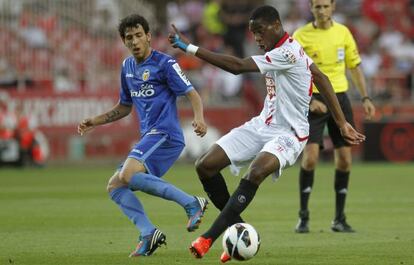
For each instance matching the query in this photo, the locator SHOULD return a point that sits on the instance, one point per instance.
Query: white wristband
(192, 49)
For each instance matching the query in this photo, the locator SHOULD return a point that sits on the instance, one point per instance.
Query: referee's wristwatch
(365, 98)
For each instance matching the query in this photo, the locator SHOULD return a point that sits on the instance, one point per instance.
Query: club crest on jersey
(288, 54)
(146, 75)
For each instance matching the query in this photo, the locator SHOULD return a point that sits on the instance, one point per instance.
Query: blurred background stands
(72, 48)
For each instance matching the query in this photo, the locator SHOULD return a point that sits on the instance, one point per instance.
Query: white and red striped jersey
(289, 86)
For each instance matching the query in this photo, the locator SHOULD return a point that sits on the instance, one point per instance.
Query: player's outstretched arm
(325, 88)
(117, 112)
(226, 62)
(199, 125)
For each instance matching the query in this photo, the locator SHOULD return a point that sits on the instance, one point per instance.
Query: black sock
(305, 187)
(341, 189)
(216, 190)
(218, 193)
(240, 199)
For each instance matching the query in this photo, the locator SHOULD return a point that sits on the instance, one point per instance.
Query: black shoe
(341, 226)
(303, 223)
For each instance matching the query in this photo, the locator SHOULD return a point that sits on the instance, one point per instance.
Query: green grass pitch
(62, 215)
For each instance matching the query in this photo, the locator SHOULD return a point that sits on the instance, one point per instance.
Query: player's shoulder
(286, 52)
(162, 58)
(128, 62)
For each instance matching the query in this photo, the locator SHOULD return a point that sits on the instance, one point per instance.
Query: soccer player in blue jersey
(151, 81)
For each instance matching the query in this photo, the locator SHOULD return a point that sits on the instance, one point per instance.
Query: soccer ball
(241, 241)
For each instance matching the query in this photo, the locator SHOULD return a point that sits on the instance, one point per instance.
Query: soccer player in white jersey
(274, 139)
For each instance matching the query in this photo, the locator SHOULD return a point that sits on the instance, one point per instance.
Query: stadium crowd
(72, 46)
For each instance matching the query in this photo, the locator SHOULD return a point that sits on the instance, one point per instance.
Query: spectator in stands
(19, 137)
(63, 82)
(175, 15)
(371, 62)
(293, 20)
(7, 119)
(30, 31)
(9, 153)
(235, 15)
(211, 18)
(8, 75)
(220, 86)
(105, 18)
(26, 131)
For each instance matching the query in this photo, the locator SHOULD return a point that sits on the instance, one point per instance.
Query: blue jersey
(152, 86)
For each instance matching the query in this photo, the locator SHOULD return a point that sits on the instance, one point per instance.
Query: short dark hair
(266, 13)
(132, 21)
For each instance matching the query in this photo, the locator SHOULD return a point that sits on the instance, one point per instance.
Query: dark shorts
(317, 122)
(157, 152)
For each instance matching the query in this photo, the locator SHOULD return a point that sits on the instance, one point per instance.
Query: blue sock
(132, 208)
(158, 187)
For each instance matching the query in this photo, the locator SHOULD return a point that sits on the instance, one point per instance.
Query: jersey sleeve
(176, 79)
(352, 58)
(124, 94)
(277, 59)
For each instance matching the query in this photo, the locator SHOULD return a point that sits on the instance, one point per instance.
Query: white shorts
(243, 143)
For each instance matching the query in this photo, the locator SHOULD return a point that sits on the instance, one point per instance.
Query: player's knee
(310, 157)
(199, 163)
(309, 161)
(309, 164)
(125, 176)
(343, 159)
(343, 164)
(256, 175)
(110, 187)
(113, 183)
(204, 168)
